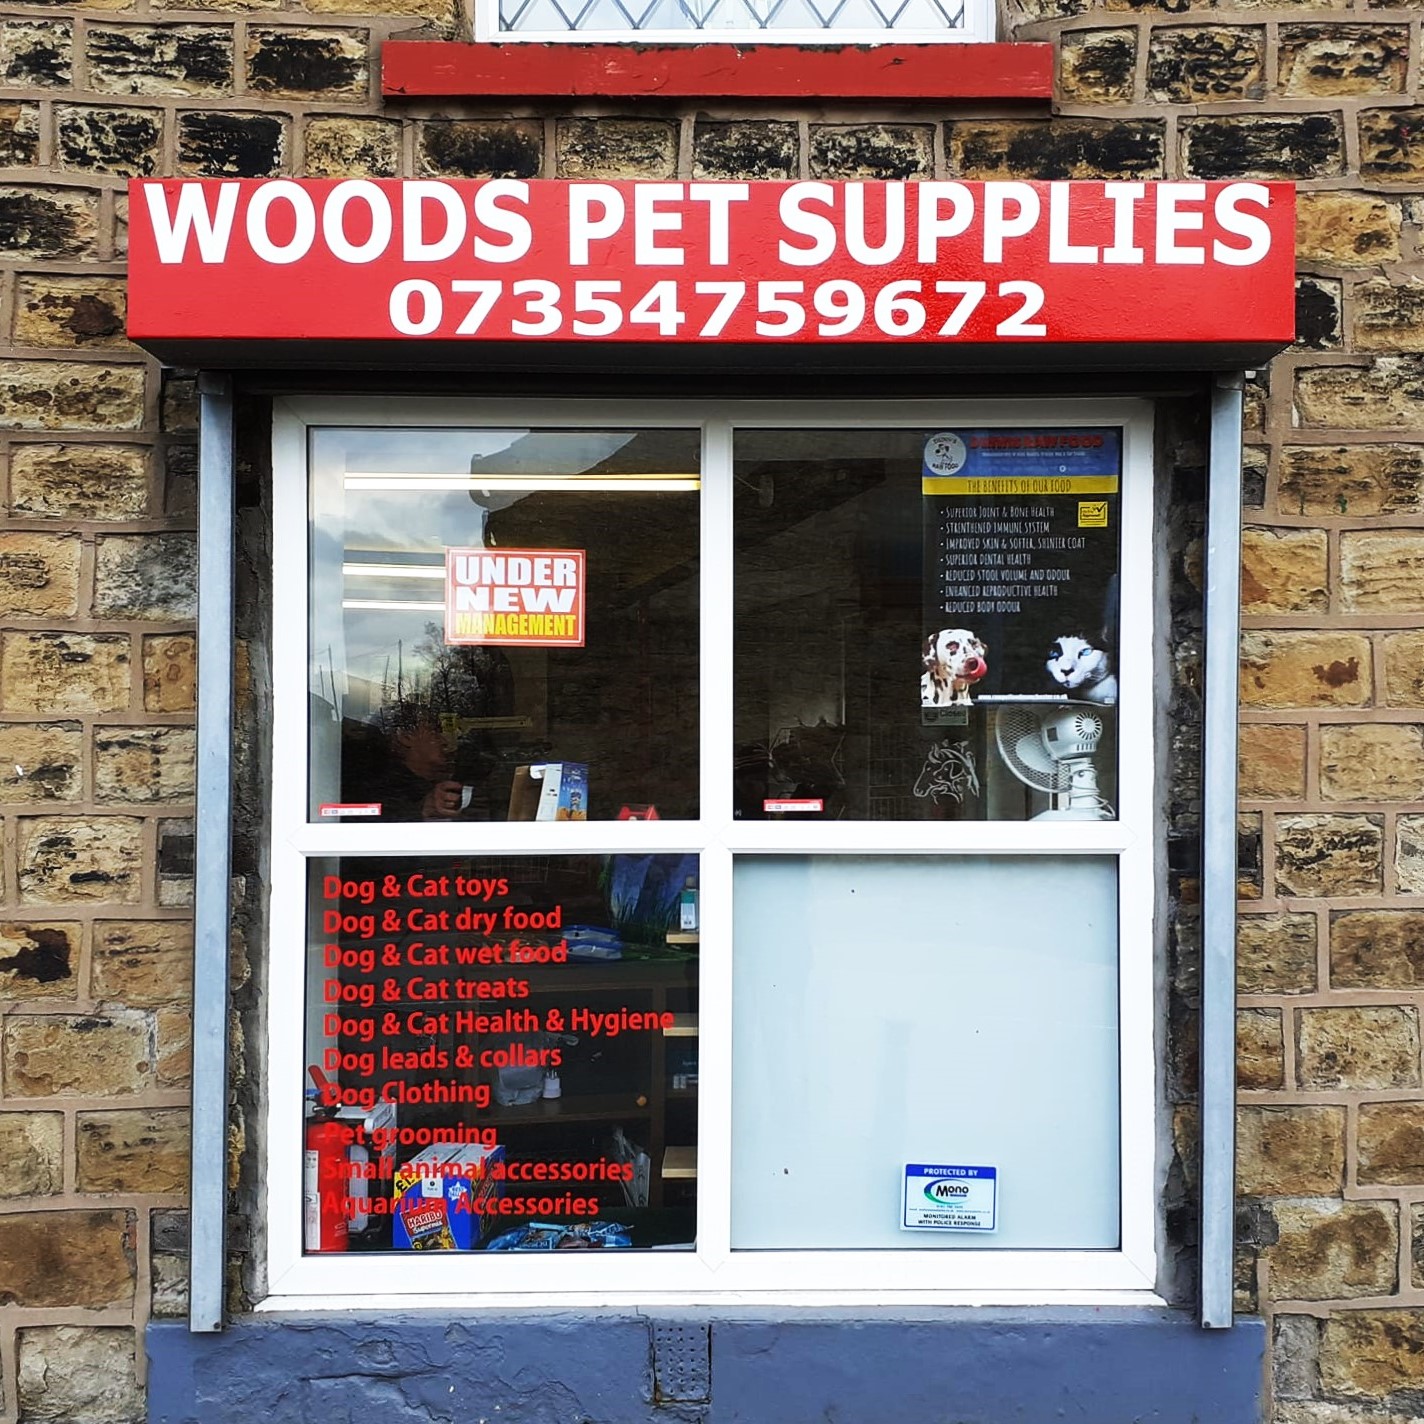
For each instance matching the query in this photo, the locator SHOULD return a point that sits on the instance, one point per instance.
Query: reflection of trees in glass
(466, 681)
(428, 752)
(448, 681)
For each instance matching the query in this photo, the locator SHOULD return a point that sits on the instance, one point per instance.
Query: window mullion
(714, 1099)
(716, 691)
(714, 1102)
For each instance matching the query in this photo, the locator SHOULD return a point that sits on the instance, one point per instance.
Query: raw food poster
(1021, 540)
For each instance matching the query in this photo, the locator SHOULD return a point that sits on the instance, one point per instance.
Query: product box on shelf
(550, 791)
(439, 1196)
(376, 1131)
(370, 1158)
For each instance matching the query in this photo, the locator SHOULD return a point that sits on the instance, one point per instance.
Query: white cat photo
(1082, 670)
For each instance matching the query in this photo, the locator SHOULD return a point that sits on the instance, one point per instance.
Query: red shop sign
(919, 265)
(529, 598)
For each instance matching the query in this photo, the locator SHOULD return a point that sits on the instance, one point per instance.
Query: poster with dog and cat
(1021, 534)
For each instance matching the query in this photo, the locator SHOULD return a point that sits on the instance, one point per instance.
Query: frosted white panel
(958, 1010)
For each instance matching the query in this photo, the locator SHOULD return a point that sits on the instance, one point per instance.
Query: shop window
(866, 1035)
(711, 853)
(460, 633)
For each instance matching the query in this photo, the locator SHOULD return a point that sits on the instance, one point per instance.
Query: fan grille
(1040, 748)
(1018, 732)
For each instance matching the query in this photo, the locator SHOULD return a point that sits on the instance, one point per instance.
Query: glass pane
(498, 1042)
(926, 623)
(625, 17)
(504, 624)
(948, 1012)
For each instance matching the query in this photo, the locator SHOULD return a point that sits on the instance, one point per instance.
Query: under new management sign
(218, 263)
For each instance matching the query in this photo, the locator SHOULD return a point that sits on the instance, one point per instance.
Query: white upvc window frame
(713, 1272)
(978, 27)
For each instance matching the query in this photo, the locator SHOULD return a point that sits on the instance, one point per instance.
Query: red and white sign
(514, 598)
(1003, 263)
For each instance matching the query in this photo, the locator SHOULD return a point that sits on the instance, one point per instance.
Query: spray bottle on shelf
(687, 906)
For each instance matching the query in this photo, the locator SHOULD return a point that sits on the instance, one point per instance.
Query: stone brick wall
(96, 602)
(96, 742)
(96, 652)
(1331, 947)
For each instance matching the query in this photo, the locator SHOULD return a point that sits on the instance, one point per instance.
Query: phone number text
(537, 306)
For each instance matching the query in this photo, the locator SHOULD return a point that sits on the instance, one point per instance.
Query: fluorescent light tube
(397, 603)
(559, 484)
(406, 571)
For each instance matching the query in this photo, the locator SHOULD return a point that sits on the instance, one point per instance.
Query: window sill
(414, 69)
(1105, 1365)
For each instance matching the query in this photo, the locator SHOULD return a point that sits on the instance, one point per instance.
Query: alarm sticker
(941, 1197)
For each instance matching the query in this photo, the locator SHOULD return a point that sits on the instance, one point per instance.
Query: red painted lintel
(449, 69)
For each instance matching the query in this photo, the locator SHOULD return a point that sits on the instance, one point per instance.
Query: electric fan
(1051, 749)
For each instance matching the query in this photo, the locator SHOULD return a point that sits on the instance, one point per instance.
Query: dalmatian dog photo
(954, 662)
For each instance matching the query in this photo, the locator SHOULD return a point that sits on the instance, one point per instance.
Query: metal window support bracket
(212, 856)
(1218, 889)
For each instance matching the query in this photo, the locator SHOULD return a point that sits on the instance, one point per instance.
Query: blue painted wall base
(714, 1366)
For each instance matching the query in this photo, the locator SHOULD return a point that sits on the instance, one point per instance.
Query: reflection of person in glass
(419, 781)
(428, 756)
